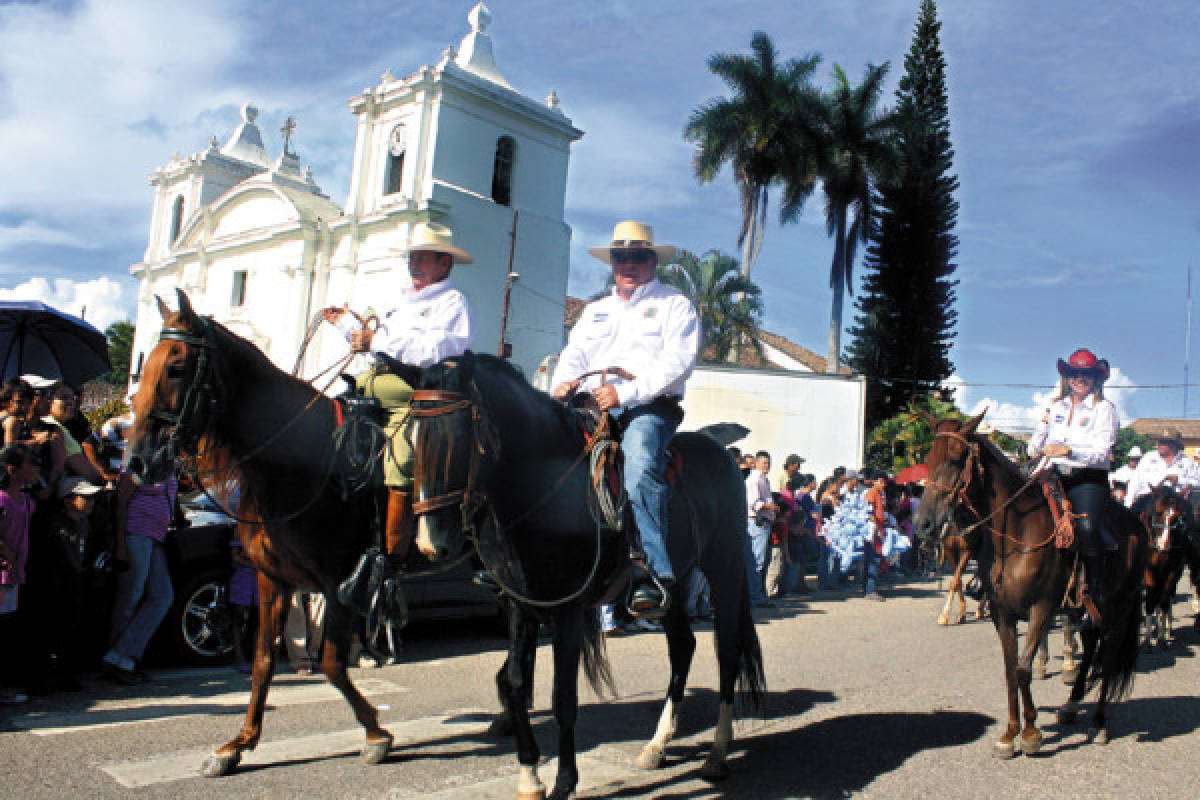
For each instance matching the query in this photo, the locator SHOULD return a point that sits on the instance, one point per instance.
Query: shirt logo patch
(1083, 421)
(424, 312)
(1059, 417)
(651, 312)
(600, 316)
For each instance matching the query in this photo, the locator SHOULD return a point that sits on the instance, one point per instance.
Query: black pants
(1087, 489)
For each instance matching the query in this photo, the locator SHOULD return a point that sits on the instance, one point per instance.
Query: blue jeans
(757, 538)
(827, 567)
(647, 433)
(870, 567)
(143, 597)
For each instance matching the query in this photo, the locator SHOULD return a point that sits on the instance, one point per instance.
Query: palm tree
(728, 302)
(767, 131)
(858, 152)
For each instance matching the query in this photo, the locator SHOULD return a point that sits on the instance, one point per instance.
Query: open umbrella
(914, 474)
(38, 339)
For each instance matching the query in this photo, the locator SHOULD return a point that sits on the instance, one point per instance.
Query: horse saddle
(1064, 516)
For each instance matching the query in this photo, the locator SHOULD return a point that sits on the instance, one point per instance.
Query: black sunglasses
(1078, 373)
(630, 256)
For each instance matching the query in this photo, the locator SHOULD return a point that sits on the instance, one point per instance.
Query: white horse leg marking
(721, 739)
(529, 786)
(654, 752)
(944, 617)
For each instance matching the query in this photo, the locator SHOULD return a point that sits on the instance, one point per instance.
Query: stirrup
(974, 589)
(358, 590)
(651, 600)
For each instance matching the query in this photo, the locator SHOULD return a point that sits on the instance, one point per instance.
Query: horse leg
(338, 623)
(1006, 629)
(568, 642)
(1068, 711)
(681, 645)
(516, 685)
(1070, 647)
(944, 617)
(1039, 625)
(733, 624)
(503, 724)
(273, 600)
(1043, 656)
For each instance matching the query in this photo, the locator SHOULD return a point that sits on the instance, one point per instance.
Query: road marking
(593, 773)
(114, 712)
(186, 764)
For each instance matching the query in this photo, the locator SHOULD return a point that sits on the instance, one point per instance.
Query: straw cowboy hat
(429, 236)
(1171, 435)
(1084, 359)
(633, 235)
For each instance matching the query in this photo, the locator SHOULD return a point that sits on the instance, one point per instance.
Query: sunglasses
(1072, 374)
(630, 256)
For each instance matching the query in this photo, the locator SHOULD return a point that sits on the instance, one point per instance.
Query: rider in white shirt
(430, 322)
(652, 333)
(1077, 435)
(1124, 474)
(1166, 464)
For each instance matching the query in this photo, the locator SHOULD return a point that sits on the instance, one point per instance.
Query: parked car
(198, 629)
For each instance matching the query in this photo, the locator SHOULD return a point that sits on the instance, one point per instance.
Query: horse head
(452, 446)
(177, 395)
(1165, 516)
(954, 469)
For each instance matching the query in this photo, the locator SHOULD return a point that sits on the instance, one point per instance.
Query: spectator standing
(875, 497)
(18, 469)
(144, 594)
(805, 547)
(791, 466)
(304, 631)
(762, 510)
(779, 555)
(243, 604)
(62, 411)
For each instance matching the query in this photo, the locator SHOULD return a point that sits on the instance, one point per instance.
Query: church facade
(257, 245)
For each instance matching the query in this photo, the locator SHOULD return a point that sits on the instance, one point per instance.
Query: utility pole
(509, 278)
(1187, 342)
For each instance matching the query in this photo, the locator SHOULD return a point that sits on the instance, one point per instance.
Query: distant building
(1189, 428)
(255, 242)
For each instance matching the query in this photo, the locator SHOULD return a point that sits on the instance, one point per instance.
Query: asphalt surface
(865, 700)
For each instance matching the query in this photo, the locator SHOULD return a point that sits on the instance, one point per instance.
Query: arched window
(176, 218)
(394, 174)
(502, 170)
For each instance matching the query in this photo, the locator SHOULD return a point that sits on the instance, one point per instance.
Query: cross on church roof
(289, 127)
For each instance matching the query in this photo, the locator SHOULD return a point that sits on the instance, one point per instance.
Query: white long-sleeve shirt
(425, 327)
(1153, 468)
(1088, 428)
(758, 494)
(655, 335)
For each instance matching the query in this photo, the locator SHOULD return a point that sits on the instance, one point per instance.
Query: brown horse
(1167, 516)
(208, 393)
(972, 485)
(957, 551)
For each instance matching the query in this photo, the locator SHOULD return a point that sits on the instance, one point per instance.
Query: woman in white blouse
(1077, 435)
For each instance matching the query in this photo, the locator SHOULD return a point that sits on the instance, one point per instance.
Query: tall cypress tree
(905, 323)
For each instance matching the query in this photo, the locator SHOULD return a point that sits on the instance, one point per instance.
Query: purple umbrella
(38, 339)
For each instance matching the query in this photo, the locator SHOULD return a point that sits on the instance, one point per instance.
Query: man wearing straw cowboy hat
(652, 333)
(1165, 464)
(430, 322)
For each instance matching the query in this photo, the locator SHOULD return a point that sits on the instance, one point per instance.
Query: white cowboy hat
(1134, 452)
(435, 238)
(633, 235)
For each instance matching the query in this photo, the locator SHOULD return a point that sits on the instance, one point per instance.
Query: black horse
(514, 476)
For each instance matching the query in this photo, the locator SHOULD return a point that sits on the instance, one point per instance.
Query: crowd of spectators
(82, 569)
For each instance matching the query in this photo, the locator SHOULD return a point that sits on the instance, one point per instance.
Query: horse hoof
(1030, 745)
(501, 726)
(1039, 672)
(1098, 735)
(216, 766)
(943, 620)
(714, 770)
(1066, 716)
(531, 794)
(375, 752)
(1003, 749)
(651, 757)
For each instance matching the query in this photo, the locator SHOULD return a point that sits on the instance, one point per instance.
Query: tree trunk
(833, 362)
(747, 264)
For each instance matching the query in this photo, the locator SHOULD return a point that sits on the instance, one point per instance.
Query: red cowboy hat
(1086, 360)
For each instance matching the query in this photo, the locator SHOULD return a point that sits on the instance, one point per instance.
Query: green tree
(1126, 439)
(728, 302)
(905, 326)
(904, 439)
(767, 130)
(120, 349)
(858, 152)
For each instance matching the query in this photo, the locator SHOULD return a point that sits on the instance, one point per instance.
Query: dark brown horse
(210, 394)
(1167, 516)
(972, 485)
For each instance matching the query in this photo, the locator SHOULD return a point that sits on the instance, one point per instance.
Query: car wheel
(202, 626)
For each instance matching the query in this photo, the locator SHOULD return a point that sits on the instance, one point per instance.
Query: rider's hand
(1056, 451)
(360, 340)
(332, 314)
(606, 398)
(564, 390)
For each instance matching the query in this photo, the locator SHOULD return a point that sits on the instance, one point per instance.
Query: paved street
(866, 700)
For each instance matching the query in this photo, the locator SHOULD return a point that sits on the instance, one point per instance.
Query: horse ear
(163, 309)
(185, 305)
(973, 423)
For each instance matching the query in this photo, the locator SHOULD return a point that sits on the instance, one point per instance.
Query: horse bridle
(957, 492)
(484, 443)
(199, 399)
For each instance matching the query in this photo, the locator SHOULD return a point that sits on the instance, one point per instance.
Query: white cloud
(26, 233)
(101, 301)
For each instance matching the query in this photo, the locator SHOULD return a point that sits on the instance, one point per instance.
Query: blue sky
(1075, 127)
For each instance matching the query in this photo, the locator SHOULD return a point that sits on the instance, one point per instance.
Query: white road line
(186, 764)
(593, 773)
(110, 713)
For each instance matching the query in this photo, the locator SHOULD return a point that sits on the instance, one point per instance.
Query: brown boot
(398, 530)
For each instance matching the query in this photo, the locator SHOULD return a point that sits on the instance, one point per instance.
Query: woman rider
(1077, 434)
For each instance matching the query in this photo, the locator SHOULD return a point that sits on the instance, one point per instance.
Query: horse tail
(595, 658)
(1121, 641)
(751, 678)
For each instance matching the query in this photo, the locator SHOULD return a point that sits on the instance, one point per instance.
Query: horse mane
(573, 419)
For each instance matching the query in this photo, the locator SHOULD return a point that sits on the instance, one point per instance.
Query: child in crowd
(18, 469)
(243, 605)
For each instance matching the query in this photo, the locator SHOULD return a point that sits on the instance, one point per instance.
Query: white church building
(257, 245)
